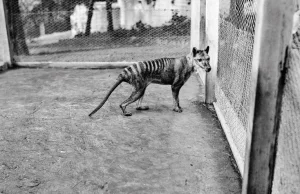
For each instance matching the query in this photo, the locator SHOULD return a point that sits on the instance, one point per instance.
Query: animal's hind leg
(139, 104)
(137, 94)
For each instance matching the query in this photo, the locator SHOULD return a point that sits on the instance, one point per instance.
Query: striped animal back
(146, 69)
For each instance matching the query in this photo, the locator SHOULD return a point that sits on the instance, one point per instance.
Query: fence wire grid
(55, 32)
(236, 39)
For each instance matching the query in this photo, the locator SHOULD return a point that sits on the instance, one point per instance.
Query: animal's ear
(207, 49)
(194, 51)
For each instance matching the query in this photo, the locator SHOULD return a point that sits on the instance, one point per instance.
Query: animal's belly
(162, 80)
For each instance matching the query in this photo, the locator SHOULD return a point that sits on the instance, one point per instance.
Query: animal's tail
(119, 81)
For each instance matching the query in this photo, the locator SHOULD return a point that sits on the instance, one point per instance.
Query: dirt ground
(48, 144)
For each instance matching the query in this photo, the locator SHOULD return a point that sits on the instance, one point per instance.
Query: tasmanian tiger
(166, 71)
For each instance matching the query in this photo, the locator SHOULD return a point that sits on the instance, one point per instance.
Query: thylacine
(165, 71)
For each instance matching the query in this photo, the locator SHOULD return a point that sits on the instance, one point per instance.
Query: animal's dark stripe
(139, 69)
(157, 65)
(130, 70)
(127, 73)
(164, 61)
(161, 65)
(149, 67)
(146, 68)
(143, 68)
(136, 69)
(154, 67)
(167, 61)
(161, 61)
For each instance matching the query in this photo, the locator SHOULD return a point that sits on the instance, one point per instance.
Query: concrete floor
(48, 144)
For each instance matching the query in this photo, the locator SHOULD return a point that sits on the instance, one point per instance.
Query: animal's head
(200, 58)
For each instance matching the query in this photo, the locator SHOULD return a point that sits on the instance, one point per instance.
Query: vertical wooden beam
(202, 24)
(272, 38)
(212, 35)
(198, 31)
(5, 54)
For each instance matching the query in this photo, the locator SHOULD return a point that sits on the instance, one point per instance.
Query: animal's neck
(189, 61)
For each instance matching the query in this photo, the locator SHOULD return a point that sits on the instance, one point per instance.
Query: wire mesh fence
(236, 39)
(120, 32)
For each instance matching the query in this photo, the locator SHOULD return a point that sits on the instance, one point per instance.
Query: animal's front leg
(175, 93)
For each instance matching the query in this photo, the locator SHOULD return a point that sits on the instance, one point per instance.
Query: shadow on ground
(49, 144)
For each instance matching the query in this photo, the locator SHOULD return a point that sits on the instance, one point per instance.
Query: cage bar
(271, 46)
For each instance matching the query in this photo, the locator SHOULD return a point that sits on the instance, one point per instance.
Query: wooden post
(212, 34)
(272, 38)
(5, 54)
(202, 35)
(198, 32)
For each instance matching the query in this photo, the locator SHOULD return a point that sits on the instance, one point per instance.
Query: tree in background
(110, 27)
(16, 30)
(89, 20)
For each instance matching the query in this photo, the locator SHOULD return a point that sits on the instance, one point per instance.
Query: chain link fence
(64, 31)
(236, 39)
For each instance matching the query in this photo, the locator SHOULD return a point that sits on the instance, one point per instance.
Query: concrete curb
(3, 67)
(74, 65)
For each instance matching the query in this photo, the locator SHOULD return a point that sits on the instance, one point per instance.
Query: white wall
(154, 15)
(126, 13)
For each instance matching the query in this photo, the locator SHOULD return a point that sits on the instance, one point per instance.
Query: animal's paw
(178, 109)
(142, 108)
(127, 114)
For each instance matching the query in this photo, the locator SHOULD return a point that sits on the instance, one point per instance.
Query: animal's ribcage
(146, 69)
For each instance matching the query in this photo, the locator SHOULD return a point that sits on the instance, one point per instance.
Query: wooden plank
(272, 38)
(198, 31)
(202, 34)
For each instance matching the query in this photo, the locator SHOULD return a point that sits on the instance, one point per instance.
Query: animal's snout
(208, 69)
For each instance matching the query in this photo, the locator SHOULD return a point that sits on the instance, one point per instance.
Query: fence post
(272, 37)
(198, 31)
(206, 12)
(5, 55)
(198, 34)
(212, 34)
